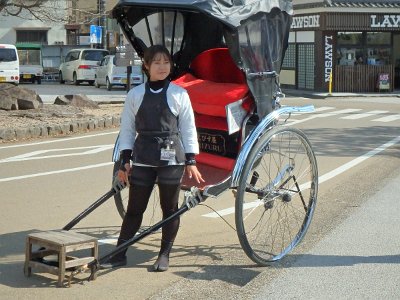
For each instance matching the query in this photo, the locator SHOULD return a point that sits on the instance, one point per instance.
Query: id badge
(167, 154)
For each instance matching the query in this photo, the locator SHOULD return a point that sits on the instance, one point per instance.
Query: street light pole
(103, 22)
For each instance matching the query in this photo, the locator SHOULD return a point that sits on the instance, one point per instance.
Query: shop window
(289, 62)
(368, 48)
(378, 38)
(350, 56)
(378, 56)
(349, 38)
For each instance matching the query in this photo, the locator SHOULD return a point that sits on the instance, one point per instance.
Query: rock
(76, 100)
(15, 97)
(7, 101)
(7, 134)
(28, 104)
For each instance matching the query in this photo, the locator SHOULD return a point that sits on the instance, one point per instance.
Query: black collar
(156, 85)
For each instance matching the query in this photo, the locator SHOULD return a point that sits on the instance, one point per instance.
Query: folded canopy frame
(256, 33)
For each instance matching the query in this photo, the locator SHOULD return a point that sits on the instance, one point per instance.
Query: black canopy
(255, 31)
(230, 12)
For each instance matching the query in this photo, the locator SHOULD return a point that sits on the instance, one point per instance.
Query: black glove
(190, 159)
(125, 158)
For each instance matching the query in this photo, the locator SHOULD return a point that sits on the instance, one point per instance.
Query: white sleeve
(127, 132)
(187, 126)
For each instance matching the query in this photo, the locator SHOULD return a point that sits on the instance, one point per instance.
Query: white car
(110, 75)
(9, 64)
(80, 65)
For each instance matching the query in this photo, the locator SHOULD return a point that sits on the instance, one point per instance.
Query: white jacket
(179, 103)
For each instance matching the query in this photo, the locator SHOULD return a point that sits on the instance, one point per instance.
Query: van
(9, 64)
(80, 65)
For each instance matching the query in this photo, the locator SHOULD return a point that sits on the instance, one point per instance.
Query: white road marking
(323, 108)
(317, 110)
(56, 172)
(338, 112)
(36, 155)
(364, 115)
(324, 115)
(387, 118)
(58, 141)
(322, 178)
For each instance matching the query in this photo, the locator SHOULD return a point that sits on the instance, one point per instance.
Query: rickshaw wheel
(153, 212)
(277, 194)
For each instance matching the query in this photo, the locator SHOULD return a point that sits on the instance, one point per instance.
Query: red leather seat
(216, 81)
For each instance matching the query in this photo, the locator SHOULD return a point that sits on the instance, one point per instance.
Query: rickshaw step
(58, 243)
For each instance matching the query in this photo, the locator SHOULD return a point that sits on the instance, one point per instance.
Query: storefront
(356, 52)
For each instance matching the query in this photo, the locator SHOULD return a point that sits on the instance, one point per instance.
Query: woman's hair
(150, 53)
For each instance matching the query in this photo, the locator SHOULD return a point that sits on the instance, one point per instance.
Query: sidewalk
(324, 95)
(360, 259)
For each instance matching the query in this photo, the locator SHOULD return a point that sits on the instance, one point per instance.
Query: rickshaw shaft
(141, 235)
(91, 208)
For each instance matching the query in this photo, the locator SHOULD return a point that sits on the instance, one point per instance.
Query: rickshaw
(228, 56)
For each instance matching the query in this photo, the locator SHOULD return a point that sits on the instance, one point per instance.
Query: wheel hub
(286, 197)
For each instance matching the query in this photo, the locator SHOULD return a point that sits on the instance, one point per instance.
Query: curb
(80, 126)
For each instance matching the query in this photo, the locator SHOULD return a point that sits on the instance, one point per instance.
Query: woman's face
(159, 68)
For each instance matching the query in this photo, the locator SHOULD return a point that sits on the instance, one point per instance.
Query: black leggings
(142, 183)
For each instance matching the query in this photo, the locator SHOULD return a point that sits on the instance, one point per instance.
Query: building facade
(83, 14)
(70, 28)
(27, 29)
(344, 46)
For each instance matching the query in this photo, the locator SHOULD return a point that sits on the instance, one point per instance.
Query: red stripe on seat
(216, 161)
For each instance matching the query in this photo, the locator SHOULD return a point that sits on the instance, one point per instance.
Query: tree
(43, 10)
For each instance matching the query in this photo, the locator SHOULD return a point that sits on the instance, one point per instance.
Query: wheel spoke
(282, 172)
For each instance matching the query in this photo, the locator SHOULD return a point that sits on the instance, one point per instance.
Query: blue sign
(95, 34)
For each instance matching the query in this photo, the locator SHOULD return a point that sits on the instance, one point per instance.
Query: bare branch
(44, 10)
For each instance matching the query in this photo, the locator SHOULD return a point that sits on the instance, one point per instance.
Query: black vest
(156, 125)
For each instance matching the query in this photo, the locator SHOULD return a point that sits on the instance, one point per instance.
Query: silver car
(80, 65)
(109, 74)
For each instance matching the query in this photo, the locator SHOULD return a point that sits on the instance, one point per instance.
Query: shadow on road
(140, 255)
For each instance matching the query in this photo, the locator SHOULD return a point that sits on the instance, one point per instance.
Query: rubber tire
(60, 78)
(119, 198)
(96, 84)
(75, 80)
(254, 159)
(108, 84)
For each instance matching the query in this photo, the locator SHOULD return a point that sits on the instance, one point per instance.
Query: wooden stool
(59, 243)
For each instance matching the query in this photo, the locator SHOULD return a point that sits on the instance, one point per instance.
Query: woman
(158, 134)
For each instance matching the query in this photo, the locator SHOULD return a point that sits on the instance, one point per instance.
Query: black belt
(161, 134)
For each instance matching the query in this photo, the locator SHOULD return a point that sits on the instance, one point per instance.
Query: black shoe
(114, 262)
(161, 264)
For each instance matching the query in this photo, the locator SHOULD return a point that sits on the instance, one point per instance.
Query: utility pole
(103, 22)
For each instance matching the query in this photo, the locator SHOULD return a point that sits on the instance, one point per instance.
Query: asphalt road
(352, 242)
